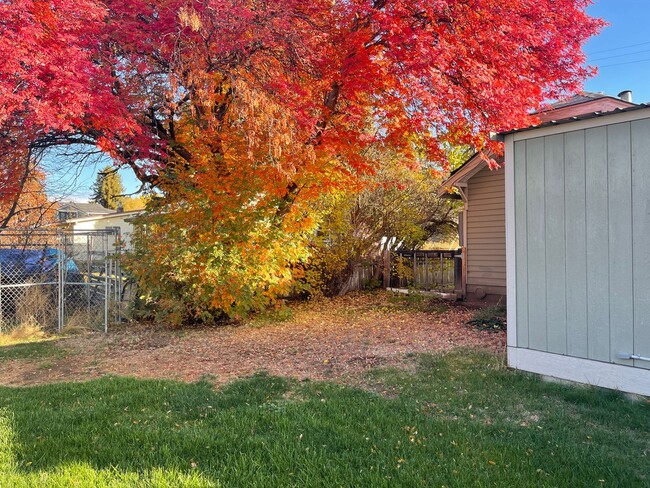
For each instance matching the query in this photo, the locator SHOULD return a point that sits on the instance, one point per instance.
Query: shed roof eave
(577, 118)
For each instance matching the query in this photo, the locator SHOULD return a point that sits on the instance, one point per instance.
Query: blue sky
(70, 182)
(621, 52)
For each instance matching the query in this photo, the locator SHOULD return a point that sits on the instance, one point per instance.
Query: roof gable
(469, 168)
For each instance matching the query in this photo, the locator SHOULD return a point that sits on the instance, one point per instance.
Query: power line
(619, 48)
(619, 55)
(627, 62)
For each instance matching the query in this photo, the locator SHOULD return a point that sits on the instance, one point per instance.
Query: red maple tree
(152, 80)
(245, 110)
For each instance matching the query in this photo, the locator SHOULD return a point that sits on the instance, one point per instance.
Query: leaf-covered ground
(327, 339)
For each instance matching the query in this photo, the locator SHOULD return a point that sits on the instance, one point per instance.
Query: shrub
(492, 318)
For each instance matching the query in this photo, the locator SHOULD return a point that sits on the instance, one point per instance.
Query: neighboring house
(482, 232)
(75, 210)
(577, 194)
(121, 222)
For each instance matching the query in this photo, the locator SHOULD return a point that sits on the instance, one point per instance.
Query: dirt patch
(328, 339)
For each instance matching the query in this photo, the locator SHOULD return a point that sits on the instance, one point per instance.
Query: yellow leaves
(189, 18)
(229, 265)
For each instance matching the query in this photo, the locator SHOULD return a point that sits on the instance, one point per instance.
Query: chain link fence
(56, 279)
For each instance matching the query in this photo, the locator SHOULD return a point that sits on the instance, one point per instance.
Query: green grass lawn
(461, 420)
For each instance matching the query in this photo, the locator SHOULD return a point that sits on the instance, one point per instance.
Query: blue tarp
(32, 262)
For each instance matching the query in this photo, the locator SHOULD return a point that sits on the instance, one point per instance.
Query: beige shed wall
(486, 232)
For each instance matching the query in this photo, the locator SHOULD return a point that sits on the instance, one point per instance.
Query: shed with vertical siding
(578, 249)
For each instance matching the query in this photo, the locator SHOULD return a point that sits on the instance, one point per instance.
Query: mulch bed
(326, 339)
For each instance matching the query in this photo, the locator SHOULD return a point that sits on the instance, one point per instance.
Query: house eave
(113, 215)
(459, 178)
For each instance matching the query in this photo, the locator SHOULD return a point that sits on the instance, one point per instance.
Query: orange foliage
(29, 208)
(243, 112)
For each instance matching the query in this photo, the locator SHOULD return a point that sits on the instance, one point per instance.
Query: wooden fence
(435, 270)
(432, 270)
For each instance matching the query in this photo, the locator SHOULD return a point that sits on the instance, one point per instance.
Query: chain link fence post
(55, 279)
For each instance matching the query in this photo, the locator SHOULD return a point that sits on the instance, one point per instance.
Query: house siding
(486, 234)
(581, 229)
(114, 221)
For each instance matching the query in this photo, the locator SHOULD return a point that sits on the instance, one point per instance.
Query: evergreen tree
(108, 188)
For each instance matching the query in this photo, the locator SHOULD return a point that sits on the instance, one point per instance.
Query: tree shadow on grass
(460, 420)
(127, 425)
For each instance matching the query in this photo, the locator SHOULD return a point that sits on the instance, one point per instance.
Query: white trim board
(596, 373)
(511, 265)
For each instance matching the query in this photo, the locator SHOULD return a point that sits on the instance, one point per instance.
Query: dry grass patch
(29, 331)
